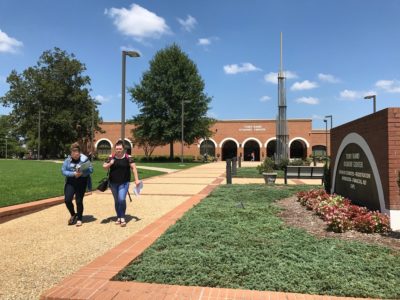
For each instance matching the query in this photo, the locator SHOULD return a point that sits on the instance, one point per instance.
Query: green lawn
(220, 244)
(169, 165)
(250, 172)
(26, 181)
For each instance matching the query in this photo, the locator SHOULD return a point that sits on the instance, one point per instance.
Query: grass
(27, 181)
(249, 172)
(220, 244)
(169, 165)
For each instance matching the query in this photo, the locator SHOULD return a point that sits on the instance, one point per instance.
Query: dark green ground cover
(220, 244)
(251, 172)
(26, 181)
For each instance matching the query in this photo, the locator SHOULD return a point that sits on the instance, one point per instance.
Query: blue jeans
(119, 192)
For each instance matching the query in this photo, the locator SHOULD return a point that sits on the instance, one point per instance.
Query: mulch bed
(296, 215)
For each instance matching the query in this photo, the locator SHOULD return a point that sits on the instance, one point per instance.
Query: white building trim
(208, 139)
(269, 140)
(254, 139)
(301, 139)
(229, 139)
(128, 140)
(104, 139)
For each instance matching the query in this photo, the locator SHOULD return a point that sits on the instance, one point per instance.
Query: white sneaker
(78, 223)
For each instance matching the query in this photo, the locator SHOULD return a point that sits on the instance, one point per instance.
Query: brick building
(230, 138)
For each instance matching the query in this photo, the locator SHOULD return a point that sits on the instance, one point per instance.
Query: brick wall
(381, 131)
(240, 130)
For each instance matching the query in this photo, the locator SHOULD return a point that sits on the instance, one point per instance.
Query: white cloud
(390, 86)
(245, 67)
(305, 85)
(328, 78)
(8, 44)
(188, 24)
(101, 98)
(204, 42)
(308, 100)
(272, 77)
(355, 95)
(138, 22)
(265, 98)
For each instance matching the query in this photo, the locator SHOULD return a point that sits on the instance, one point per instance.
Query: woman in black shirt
(120, 165)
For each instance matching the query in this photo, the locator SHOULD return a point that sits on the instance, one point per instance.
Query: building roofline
(234, 120)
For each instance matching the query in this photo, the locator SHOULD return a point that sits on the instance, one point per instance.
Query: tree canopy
(171, 79)
(57, 88)
(10, 143)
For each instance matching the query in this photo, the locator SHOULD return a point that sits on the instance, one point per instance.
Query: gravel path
(39, 250)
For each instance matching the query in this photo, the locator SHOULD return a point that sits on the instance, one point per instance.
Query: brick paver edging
(14, 211)
(93, 281)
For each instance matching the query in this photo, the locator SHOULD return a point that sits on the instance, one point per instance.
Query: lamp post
(92, 133)
(330, 117)
(182, 127)
(326, 137)
(373, 97)
(124, 54)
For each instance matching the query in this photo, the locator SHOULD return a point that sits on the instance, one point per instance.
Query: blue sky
(335, 52)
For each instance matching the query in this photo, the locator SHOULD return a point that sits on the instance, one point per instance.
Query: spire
(281, 69)
(282, 136)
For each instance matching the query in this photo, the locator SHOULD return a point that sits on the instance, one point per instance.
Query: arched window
(207, 147)
(104, 147)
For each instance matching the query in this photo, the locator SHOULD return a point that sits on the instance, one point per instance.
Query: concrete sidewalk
(39, 249)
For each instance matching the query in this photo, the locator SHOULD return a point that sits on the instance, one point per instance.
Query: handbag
(104, 183)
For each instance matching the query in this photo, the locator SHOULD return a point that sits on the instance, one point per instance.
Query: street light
(374, 99)
(330, 117)
(183, 112)
(124, 54)
(326, 137)
(92, 133)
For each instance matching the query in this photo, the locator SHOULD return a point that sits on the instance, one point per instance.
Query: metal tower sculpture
(282, 136)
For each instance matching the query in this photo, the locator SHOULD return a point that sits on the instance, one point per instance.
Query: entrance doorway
(251, 147)
(229, 150)
(298, 149)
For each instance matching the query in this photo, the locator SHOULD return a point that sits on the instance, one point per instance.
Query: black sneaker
(72, 220)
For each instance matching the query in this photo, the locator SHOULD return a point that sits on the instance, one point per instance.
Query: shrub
(298, 162)
(283, 164)
(266, 166)
(327, 177)
(340, 215)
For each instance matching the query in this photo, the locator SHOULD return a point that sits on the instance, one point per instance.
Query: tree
(57, 88)
(171, 79)
(10, 142)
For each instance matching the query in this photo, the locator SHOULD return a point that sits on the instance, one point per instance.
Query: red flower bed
(340, 215)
